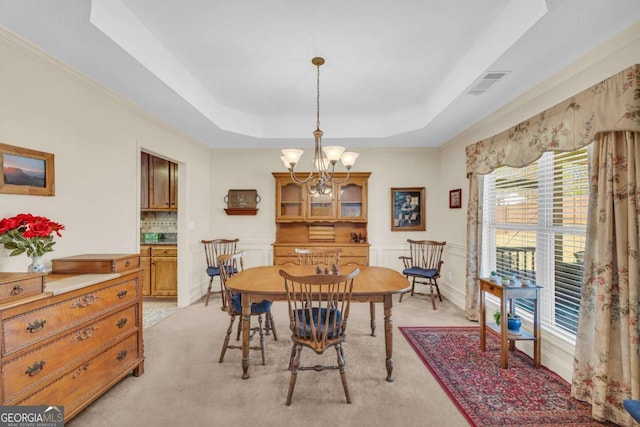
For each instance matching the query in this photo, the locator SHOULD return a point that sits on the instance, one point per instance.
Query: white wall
(96, 138)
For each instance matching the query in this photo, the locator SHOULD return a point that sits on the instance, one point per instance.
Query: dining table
(372, 284)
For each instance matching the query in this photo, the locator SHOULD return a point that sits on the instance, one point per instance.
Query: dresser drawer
(33, 326)
(79, 386)
(34, 367)
(96, 263)
(14, 286)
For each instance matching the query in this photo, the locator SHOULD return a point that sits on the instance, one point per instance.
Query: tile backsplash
(162, 224)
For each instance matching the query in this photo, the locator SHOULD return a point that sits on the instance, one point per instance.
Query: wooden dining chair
(212, 250)
(326, 259)
(229, 266)
(318, 256)
(318, 313)
(423, 266)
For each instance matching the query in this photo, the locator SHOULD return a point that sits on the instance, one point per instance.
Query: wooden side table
(508, 295)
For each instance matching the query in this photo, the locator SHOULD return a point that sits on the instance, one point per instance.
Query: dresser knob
(122, 294)
(17, 290)
(122, 322)
(122, 355)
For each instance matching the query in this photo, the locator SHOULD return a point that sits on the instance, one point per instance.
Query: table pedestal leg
(388, 336)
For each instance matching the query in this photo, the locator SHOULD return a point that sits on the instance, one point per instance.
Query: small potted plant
(496, 317)
(514, 322)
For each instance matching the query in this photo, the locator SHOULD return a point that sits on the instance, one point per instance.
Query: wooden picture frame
(408, 209)
(26, 172)
(455, 198)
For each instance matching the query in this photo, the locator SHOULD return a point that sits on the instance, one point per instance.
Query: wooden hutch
(338, 219)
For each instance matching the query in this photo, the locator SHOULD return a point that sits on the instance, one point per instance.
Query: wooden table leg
(504, 320)
(388, 336)
(246, 328)
(483, 320)
(372, 309)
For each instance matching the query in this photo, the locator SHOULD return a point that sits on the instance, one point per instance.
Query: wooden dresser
(71, 343)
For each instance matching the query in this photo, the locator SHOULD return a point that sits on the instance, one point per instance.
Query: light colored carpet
(184, 385)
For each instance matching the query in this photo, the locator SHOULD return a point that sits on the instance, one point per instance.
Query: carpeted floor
(487, 395)
(184, 385)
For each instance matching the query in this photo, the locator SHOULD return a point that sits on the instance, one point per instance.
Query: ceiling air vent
(488, 80)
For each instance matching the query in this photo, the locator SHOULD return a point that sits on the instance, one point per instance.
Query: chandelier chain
(318, 97)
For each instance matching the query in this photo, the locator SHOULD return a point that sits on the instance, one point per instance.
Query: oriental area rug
(488, 395)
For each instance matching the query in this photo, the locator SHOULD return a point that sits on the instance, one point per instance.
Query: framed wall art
(455, 199)
(408, 208)
(26, 172)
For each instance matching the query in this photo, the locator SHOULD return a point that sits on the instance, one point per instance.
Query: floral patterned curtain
(606, 362)
(611, 105)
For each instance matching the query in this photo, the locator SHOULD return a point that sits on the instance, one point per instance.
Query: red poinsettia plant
(28, 233)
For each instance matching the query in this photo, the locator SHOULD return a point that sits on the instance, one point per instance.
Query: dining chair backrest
(216, 247)
(318, 256)
(426, 254)
(318, 308)
(212, 250)
(229, 264)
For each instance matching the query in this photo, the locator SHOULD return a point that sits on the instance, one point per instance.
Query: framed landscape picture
(26, 172)
(407, 209)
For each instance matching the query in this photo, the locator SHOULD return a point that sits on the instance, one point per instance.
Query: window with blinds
(534, 226)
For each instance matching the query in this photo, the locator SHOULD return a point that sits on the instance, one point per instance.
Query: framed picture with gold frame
(407, 209)
(27, 172)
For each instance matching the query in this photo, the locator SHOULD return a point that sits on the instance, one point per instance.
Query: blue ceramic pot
(514, 323)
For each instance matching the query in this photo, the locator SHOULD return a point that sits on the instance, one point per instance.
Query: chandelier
(322, 175)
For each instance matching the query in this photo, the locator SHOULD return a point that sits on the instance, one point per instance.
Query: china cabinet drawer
(28, 328)
(38, 365)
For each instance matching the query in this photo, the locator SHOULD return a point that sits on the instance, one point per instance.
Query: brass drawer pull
(122, 355)
(35, 369)
(36, 326)
(122, 322)
(127, 263)
(122, 294)
(17, 290)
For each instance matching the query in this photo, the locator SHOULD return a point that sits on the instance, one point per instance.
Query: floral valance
(611, 105)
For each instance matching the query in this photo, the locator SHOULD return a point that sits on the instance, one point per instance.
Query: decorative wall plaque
(242, 202)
